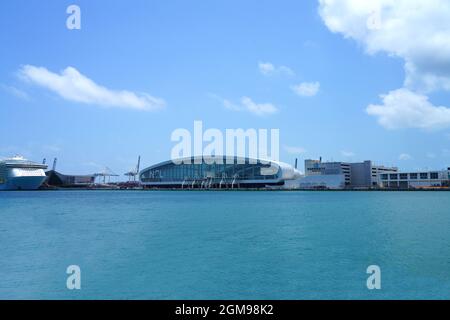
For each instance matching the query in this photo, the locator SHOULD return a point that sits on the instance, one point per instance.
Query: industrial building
(57, 179)
(415, 180)
(340, 175)
(205, 172)
(318, 182)
(217, 172)
(324, 173)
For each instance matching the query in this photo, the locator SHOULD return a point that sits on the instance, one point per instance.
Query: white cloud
(404, 157)
(231, 106)
(403, 108)
(347, 154)
(415, 30)
(246, 104)
(294, 150)
(306, 89)
(71, 85)
(260, 109)
(268, 69)
(16, 92)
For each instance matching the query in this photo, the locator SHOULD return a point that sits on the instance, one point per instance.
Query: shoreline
(236, 190)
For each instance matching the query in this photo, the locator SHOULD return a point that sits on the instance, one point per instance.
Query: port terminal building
(217, 172)
(57, 179)
(415, 180)
(340, 175)
(246, 173)
(206, 172)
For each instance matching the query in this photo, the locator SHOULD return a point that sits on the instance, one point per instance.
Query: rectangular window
(393, 176)
(413, 176)
(424, 175)
(434, 175)
(384, 177)
(403, 176)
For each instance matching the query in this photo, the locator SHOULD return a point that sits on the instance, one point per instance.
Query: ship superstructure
(18, 173)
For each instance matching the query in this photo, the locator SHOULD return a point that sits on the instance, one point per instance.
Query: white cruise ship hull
(22, 183)
(20, 174)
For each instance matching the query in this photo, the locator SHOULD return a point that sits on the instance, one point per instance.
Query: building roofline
(224, 157)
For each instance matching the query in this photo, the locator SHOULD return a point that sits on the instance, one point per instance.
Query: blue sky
(194, 55)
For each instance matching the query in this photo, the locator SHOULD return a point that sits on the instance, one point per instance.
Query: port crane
(106, 173)
(133, 173)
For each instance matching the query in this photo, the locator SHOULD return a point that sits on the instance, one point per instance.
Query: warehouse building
(358, 175)
(415, 180)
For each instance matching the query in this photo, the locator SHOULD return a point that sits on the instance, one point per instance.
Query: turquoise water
(224, 245)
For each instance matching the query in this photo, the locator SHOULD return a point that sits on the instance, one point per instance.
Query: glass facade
(212, 174)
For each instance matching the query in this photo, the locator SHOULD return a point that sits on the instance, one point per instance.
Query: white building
(415, 180)
(354, 175)
(329, 181)
(218, 172)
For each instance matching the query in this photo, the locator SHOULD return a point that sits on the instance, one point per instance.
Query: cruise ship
(18, 173)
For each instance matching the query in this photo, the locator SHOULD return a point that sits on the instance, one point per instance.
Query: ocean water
(224, 245)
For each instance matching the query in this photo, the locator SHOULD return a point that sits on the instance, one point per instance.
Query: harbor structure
(340, 175)
(133, 173)
(317, 182)
(18, 173)
(104, 177)
(415, 180)
(255, 173)
(57, 179)
(207, 172)
(218, 172)
(365, 174)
